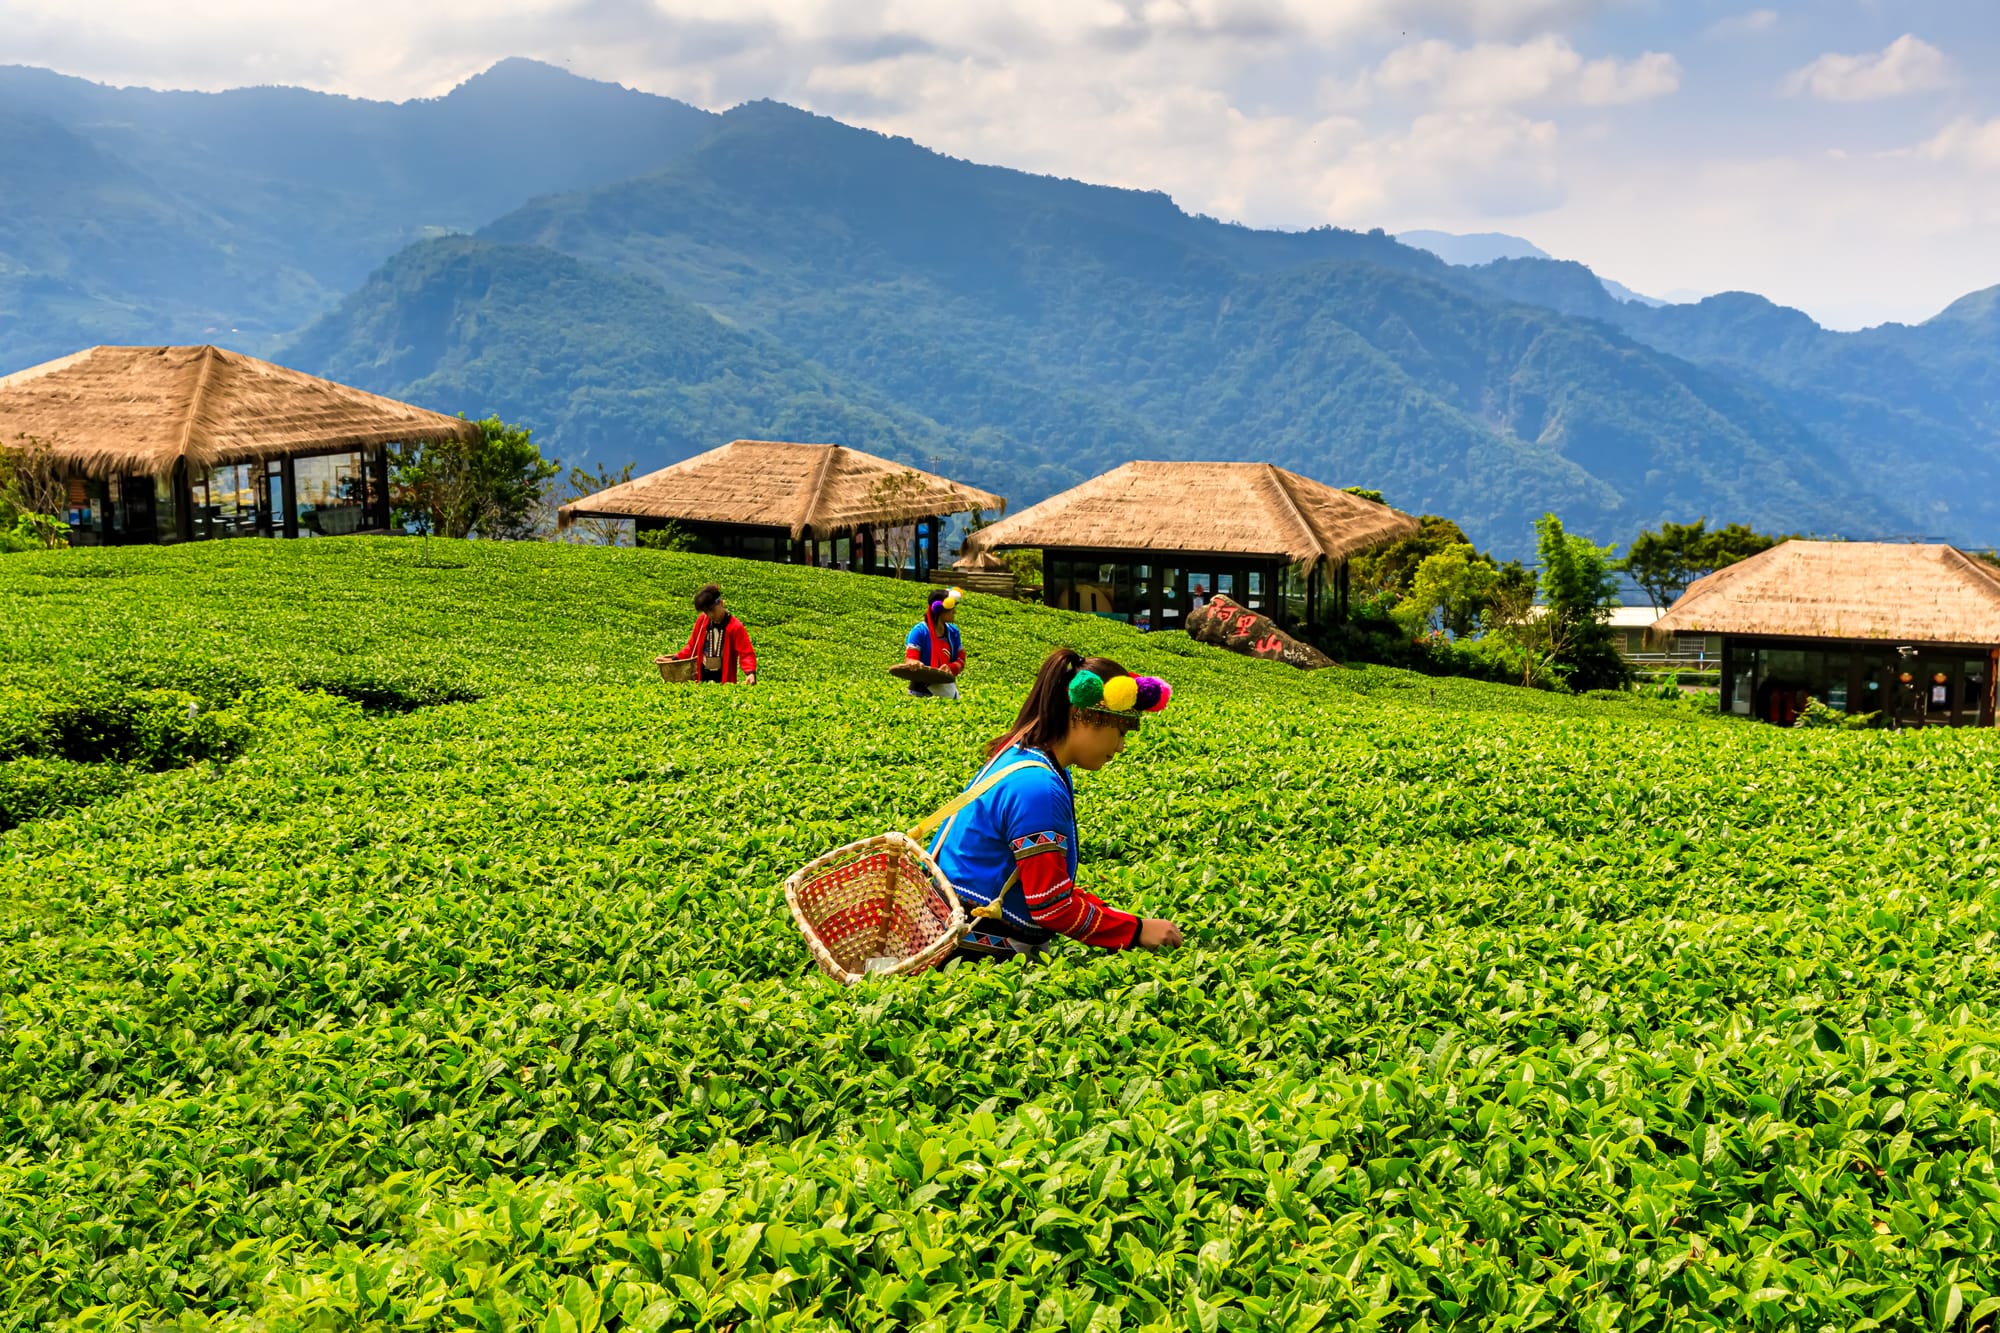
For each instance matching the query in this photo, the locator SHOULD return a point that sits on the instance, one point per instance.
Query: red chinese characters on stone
(1226, 624)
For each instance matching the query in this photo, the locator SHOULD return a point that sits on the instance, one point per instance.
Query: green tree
(579, 483)
(894, 491)
(669, 536)
(492, 486)
(1451, 594)
(1579, 586)
(32, 495)
(1391, 570)
(1663, 563)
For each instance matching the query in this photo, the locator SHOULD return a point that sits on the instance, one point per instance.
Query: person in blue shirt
(1016, 843)
(935, 643)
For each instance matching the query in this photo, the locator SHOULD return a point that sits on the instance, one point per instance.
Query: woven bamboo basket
(675, 670)
(879, 907)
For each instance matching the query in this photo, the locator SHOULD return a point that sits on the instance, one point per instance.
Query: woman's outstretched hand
(1158, 933)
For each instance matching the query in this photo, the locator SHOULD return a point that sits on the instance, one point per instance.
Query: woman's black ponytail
(1044, 718)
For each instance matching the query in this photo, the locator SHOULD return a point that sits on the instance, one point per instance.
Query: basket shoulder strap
(922, 832)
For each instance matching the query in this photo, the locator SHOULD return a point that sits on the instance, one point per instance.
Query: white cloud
(1966, 142)
(394, 49)
(1450, 164)
(1906, 65)
(1546, 69)
(1744, 24)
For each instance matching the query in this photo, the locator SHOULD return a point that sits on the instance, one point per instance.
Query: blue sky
(1843, 157)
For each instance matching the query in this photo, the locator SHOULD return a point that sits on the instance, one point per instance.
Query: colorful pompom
(1086, 689)
(1121, 693)
(1153, 693)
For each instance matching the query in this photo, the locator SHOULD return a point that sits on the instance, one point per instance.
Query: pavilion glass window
(1292, 594)
(333, 494)
(1173, 597)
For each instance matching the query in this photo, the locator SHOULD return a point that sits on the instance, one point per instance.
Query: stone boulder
(1225, 624)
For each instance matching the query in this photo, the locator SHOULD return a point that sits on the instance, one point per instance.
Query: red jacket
(735, 646)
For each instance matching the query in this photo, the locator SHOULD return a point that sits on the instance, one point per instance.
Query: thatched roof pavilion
(1898, 592)
(1148, 542)
(166, 443)
(1865, 626)
(139, 411)
(1249, 509)
(775, 500)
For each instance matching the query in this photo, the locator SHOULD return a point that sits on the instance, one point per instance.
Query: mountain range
(1487, 246)
(638, 280)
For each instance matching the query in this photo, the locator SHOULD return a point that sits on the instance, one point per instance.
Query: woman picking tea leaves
(1016, 843)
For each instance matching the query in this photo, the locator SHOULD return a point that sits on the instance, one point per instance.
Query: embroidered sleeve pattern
(1056, 903)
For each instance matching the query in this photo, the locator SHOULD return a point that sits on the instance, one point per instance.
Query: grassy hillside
(1498, 1009)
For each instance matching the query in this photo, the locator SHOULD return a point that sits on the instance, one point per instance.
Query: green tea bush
(1500, 1009)
(89, 721)
(33, 787)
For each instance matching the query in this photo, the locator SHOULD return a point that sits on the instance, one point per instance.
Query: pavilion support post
(288, 481)
(183, 501)
(1986, 705)
(935, 537)
(868, 550)
(1728, 666)
(380, 466)
(1346, 608)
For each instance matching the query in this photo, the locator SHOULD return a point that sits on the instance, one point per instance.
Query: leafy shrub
(33, 787)
(91, 738)
(389, 689)
(103, 722)
(34, 532)
(1371, 634)
(1819, 715)
(669, 536)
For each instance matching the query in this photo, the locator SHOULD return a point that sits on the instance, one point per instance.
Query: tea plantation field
(382, 945)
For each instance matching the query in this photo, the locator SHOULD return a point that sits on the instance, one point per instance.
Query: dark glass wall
(1160, 591)
(1772, 680)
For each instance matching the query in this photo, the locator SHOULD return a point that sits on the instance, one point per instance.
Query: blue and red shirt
(921, 648)
(1027, 822)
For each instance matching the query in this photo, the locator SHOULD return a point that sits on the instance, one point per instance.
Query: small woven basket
(879, 907)
(675, 670)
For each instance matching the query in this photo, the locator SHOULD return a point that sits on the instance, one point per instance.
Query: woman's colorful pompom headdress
(1123, 696)
(948, 598)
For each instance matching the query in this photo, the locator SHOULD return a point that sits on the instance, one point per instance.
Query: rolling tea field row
(382, 945)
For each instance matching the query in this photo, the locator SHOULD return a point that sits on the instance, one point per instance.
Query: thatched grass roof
(109, 411)
(1251, 509)
(806, 489)
(1846, 590)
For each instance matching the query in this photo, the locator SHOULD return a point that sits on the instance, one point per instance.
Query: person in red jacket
(718, 643)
